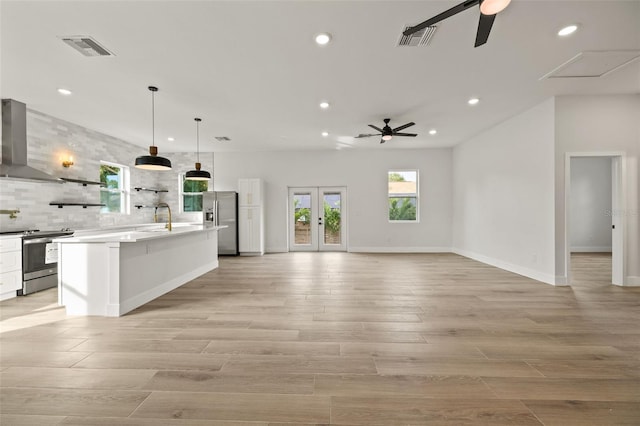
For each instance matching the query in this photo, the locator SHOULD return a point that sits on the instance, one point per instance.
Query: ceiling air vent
(87, 46)
(419, 38)
(222, 138)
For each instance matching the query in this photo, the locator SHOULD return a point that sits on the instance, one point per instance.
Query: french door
(317, 219)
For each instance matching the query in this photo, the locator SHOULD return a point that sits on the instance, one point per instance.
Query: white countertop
(138, 233)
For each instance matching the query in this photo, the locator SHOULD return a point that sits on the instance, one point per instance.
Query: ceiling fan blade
(444, 15)
(404, 126)
(413, 135)
(374, 127)
(361, 135)
(484, 28)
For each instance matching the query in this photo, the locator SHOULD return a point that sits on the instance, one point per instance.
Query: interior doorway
(317, 219)
(594, 231)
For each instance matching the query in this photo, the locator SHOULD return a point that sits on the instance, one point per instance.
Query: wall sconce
(67, 162)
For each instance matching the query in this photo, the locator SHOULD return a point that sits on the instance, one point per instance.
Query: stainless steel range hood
(14, 145)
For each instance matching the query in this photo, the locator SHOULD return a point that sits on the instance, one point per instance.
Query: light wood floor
(319, 338)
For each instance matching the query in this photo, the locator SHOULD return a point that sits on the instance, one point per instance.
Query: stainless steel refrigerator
(221, 209)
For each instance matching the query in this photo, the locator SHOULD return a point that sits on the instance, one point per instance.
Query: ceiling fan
(387, 132)
(488, 11)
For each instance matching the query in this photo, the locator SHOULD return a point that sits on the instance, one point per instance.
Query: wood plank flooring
(334, 338)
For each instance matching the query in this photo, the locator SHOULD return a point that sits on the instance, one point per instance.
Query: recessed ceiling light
(473, 101)
(324, 105)
(170, 139)
(65, 92)
(567, 30)
(433, 131)
(325, 134)
(323, 38)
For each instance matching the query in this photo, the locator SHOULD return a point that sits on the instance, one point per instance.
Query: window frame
(181, 193)
(123, 189)
(415, 195)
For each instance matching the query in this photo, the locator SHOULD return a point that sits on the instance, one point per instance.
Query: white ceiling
(252, 71)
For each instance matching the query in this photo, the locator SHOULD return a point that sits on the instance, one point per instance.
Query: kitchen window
(403, 195)
(114, 191)
(191, 194)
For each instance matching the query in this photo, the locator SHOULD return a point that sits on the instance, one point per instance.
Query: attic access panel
(593, 64)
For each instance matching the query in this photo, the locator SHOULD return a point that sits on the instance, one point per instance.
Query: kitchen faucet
(155, 215)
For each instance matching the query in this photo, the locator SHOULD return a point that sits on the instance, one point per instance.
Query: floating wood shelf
(61, 204)
(83, 182)
(156, 190)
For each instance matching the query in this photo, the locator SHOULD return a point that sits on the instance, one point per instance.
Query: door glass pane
(332, 218)
(302, 217)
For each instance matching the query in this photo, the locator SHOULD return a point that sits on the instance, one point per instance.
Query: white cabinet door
(250, 192)
(10, 244)
(10, 261)
(10, 282)
(250, 230)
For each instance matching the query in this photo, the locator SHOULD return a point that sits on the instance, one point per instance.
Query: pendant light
(197, 174)
(153, 161)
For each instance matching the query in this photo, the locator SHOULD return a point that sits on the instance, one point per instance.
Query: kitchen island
(110, 274)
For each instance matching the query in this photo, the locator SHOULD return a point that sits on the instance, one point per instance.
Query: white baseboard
(399, 250)
(591, 249)
(276, 249)
(561, 280)
(115, 310)
(632, 281)
(8, 295)
(517, 269)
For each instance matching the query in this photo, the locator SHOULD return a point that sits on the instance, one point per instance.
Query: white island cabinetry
(112, 274)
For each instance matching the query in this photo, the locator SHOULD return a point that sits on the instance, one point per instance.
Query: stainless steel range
(39, 259)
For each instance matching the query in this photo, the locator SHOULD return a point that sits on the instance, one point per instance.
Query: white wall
(504, 195)
(364, 173)
(599, 124)
(590, 199)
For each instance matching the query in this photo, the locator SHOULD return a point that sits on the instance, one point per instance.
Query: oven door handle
(36, 241)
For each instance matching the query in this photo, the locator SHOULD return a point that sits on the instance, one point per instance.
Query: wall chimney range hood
(14, 145)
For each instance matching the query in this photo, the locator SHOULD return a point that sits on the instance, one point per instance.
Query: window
(191, 194)
(403, 195)
(114, 191)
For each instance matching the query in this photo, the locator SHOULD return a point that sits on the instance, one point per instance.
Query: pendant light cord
(198, 140)
(153, 119)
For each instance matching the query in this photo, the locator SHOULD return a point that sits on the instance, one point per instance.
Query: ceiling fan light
(387, 137)
(491, 7)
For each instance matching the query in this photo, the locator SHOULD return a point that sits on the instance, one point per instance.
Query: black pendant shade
(153, 161)
(197, 174)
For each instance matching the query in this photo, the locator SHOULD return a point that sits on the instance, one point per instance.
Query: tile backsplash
(49, 139)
